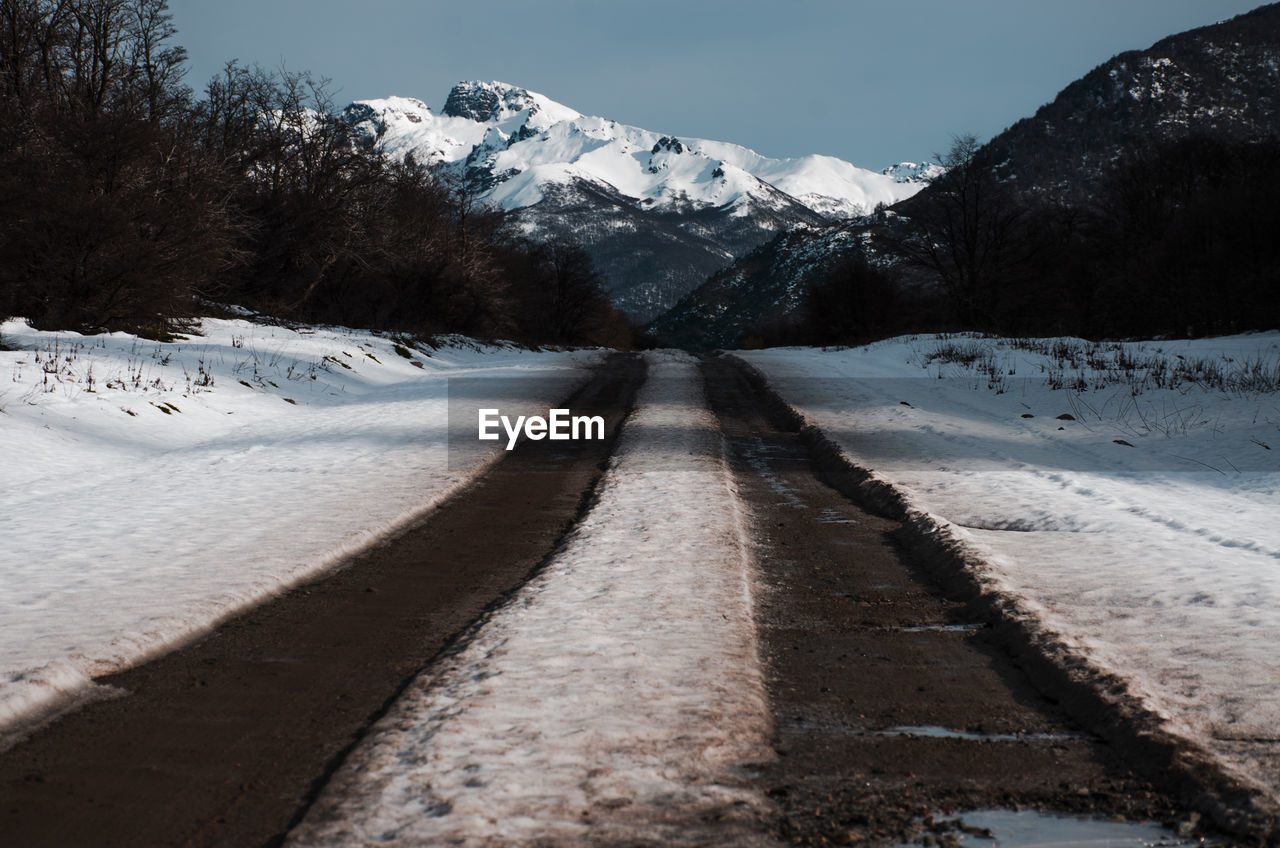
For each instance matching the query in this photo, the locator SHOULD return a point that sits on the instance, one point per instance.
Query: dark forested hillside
(764, 292)
(1138, 202)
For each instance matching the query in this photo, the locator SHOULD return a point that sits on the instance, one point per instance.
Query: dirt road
(891, 700)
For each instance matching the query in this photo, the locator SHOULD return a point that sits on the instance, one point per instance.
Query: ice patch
(1034, 829)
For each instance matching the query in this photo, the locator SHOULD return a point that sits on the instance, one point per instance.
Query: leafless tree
(964, 228)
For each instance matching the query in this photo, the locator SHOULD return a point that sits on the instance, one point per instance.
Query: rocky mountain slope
(657, 213)
(1222, 80)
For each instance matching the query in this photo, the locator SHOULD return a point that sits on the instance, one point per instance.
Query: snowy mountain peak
(496, 102)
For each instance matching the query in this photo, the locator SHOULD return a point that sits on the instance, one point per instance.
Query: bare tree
(576, 294)
(109, 214)
(964, 228)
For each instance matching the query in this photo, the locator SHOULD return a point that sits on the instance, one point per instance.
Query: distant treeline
(1179, 239)
(129, 203)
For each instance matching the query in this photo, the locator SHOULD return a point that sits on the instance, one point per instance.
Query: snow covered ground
(614, 699)
(148, 490)
(1143, 527)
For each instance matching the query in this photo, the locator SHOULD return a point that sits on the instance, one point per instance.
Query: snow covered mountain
(659, 214)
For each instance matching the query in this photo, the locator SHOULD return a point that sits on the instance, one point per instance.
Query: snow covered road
(616, 698)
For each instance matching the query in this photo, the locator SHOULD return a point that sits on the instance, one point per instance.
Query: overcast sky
(870, 81)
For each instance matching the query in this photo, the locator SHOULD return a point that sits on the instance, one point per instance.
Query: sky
(870, 81)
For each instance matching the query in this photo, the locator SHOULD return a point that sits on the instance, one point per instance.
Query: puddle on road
(757, 456)
(831, 516)
(934, 731)
(944, 628)
(265, 659)
(928, 731)
(1034, 829)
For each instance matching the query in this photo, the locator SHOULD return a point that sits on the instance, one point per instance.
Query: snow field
(615, 698)
(1142, 530)
(149, 490)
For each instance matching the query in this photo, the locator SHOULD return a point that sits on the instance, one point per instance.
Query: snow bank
(613, 699)
(1132, 510)
(149, 490)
